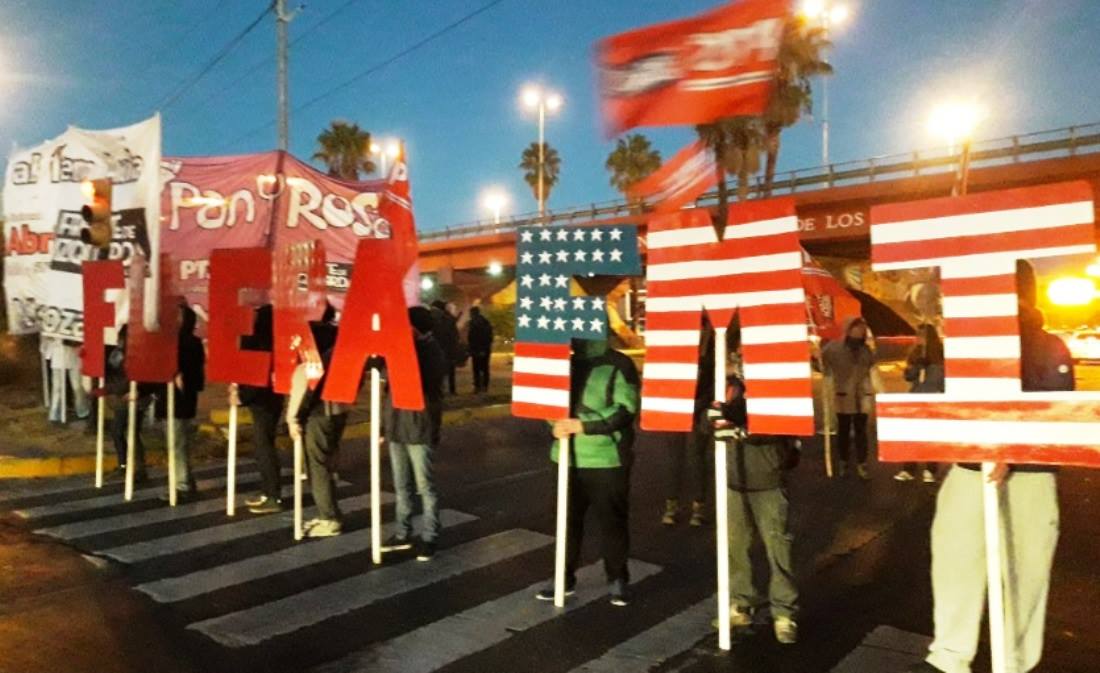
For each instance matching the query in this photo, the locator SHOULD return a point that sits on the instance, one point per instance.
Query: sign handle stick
(564, 449)
(45, 381)
(375, 466)
(298, 460)
(231, 465)
(997, 616)
(131, 440)
(827, 423)
(170, 422)
(721, 500)
(101, 407)
(64, 392)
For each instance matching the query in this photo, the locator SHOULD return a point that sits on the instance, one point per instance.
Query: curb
(14, 467)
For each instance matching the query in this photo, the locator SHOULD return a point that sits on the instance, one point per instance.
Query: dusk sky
(455, 100)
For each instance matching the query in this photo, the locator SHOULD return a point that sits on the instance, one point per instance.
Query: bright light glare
(838, 15)
(1071, 291)
(553, 102)
(375, 148)
(955, 121)
(87, 189)
(393, 149)
(1093, 269)
(813, 8)
(495, 268)
(531, 96)
(426, 283)
(494, 199)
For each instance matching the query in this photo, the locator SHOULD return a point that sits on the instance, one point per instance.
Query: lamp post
(827, 15)
(495, 201)
(543, 101)
(956, 122)
(391, 149)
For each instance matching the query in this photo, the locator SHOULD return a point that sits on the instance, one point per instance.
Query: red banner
(680, 180)
(692, 71)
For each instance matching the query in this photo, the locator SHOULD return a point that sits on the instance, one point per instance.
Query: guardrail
(1068, 141)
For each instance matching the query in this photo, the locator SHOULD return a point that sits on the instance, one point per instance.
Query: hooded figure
(849, 363)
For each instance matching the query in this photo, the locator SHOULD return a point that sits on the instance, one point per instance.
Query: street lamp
(828, 15)
(426, 283)
(495, 268)
(495, 200)
(544, 101)
(955, 122)
(391, 149)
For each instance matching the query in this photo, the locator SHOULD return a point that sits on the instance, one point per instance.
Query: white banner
(42, 222)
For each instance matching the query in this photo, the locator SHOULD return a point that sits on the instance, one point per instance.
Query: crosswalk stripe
(658, 644)
(255, 625)
(84, 482)
(436, 645)
(175, 544)
(206, 581)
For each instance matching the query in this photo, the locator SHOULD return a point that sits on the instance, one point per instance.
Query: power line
(225, 51)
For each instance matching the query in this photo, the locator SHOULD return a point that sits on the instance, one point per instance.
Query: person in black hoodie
(190, 381)
(445, 330)
(117, 385)
(479, 337)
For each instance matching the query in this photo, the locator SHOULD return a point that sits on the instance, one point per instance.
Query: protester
(924, 370)
(850, 364)
(117, 385)
(605, 402)
(190, 380)
(265, 407)
(413, 437)
(1029, 520)
(758, 505)
(479, 338)
(320, 425)
(64, 366)
(445, 330)
(689, 450)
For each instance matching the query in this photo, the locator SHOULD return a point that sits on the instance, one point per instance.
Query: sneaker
(904, 475)
(786, 630)
(267, 506)
(698, 514)
(842, 470)
(672, 508)
(923, 667)
(928, 477)
(547, 593)
(323, 528)
(255, 500)
(397, 543)
(425, 552)
(619, 594)
(739, 618)
(861, 470)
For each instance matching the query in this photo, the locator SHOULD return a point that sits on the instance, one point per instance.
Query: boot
(698, 513)
(672, 508)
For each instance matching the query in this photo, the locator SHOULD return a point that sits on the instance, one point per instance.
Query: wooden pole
(827, 422)
(721, 499)
(995, 578)
(170, 420)
(376, 466)
(231, 465)
(131, 439)
(101, 409)
(298, 460)
(564, 445)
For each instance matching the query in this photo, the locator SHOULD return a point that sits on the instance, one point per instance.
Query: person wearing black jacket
(479, 337)
(117, 385)
(413, 437)
(265, 406)
(689, 450)
(189, 381)
(445, 330)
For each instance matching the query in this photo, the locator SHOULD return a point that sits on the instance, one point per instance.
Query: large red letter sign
(299, 296)
(375, 322)
(976, 241)
(152, 357)
(233, 270)
(99, 314)
(756, 269)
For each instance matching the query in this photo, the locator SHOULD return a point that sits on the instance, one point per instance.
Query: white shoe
(324, 528)
(928, 477)
(904, 475)
(786, 630)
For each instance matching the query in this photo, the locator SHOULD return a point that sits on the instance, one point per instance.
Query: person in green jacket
(605, 404)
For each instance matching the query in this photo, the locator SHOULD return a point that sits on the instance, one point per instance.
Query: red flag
(682, 179)
(692, 71)
(828, 304)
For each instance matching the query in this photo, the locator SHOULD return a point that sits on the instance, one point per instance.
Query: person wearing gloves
(758, 501)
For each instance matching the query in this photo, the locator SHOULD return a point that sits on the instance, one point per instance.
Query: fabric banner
(692, 71)
(42, 221)
(680, 180)
(828, 304)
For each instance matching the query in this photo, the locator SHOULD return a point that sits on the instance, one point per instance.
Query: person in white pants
(64, 372)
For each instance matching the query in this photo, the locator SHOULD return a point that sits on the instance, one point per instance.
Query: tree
(345, 150)
(632, 161)
(801, 58)
(736, 143)
(529, 164)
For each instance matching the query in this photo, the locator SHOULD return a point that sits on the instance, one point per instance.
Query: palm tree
(529, 164)
(632, 161)
(345, 150)
(801, 58)
(736, 143)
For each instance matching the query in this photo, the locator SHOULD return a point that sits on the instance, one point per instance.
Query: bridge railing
(1063, 142)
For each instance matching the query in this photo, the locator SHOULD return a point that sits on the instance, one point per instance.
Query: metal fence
(1063, 142)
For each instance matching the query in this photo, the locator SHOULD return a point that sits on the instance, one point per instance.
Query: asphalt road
(108, 586)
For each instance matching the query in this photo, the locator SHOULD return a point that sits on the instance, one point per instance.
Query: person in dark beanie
(413, 436)
(189, 381)
(445, 330)
(265, 407)
(479, 338)
(849, 363)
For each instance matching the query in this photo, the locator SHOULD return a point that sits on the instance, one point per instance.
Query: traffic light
(97, 213)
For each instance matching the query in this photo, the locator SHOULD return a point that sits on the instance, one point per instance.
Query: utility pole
(282, 19)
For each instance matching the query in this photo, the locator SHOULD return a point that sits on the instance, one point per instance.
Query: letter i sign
(975, 241)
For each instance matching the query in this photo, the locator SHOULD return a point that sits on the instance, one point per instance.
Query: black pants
(607, 492)
(322, 447)
(688, 451)
(451, 377)
(265, 424)
(119, 427)
(846, 423)
(481, 371)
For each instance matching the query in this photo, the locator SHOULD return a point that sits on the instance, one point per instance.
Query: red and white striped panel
(540, 381)
(975, 241)
(757, 270)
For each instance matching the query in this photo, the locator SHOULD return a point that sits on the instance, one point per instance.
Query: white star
(527, 236)
(578, 235)
(559, 324)
(524, 321)
(544, 322)
(526, 258)
(559, 304)
(616, 234)
(597, 255)
(580, 255)
(578, 324)
(527, 281)
(544, 279)
(597, 325)
(578, 303)
(563, 234)
(597, 304)
(616, 255)
(544, 257)
(561, 281)
(597, 234)
(546, 303)
(525, 303)
(544, 235)
(563, 256)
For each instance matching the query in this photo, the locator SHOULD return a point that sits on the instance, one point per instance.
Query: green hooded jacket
(605, 398)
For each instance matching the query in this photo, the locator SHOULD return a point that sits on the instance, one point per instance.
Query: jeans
(846, 423)
(607, 491)
(414, 462)
(764, 512)
(322, 447)
(689, 458)
(183, 429)
(119, 425)
(265, 424)
(481, 371)
(60, 380)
